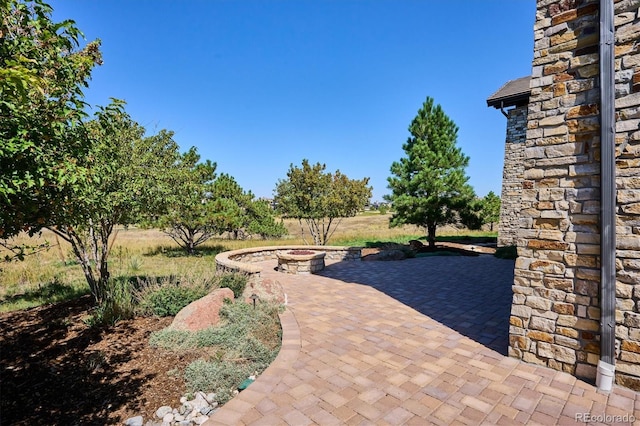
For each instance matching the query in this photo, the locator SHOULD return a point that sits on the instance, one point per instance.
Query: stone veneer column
(512, 174)
(555, 312)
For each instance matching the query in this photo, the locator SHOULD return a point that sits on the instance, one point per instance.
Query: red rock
(265, 289)
(202, 313)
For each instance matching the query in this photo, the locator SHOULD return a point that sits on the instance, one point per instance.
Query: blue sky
(258, 85)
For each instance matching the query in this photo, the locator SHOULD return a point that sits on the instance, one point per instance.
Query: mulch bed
(58, 370)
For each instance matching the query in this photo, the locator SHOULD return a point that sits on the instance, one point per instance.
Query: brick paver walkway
(419, 341)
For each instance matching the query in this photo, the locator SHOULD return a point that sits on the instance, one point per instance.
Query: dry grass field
(54, 274)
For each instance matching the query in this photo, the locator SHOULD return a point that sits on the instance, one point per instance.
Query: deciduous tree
(130, 176)
(42, 136)
(429, 185)
(317, 199)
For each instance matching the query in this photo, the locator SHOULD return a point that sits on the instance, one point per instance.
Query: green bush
(167, 301)
(507, 252)
(235, 282)
(119, 304)
(166, 296)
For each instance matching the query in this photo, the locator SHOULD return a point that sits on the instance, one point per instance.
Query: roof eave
(507, 101)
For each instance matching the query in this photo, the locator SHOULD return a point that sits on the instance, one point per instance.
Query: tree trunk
(431, 236)
(91, 250)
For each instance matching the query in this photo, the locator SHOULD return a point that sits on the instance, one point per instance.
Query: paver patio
(419, 341)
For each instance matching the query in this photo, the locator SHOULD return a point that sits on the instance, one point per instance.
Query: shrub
(119, 304)
(165, 297)
(235, 282)
(506, 252)
(245, 343)
(215, 376)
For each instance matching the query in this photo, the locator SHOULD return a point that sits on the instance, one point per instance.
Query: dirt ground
(57, 370)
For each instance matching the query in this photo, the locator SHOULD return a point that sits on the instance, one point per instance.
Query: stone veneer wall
(555, 312)
(512, 175)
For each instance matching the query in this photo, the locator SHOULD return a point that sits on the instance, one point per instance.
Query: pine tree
(429, 186)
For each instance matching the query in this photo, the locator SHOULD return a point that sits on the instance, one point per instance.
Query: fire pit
(300, 261)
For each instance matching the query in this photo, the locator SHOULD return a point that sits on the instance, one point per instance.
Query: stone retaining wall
(556, 309)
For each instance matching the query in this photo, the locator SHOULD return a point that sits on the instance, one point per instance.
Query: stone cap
(512, 93)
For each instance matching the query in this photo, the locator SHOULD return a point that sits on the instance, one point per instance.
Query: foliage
(129, 176)
(429, 186)
(261, 221)
(42, 138)
(118, 304)
(481, 211)
(215, 376)
(507, 252)
(189, 218)
(234, 282)
(206, 206)
(318, 198)
(168, 295)
(490, 211)
(238, 212)
(247, 342)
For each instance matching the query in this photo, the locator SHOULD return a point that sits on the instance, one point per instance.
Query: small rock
(178, 418)
(168, 418)
(211, 398)
(183, 400)
(162, 411)
(134, 421)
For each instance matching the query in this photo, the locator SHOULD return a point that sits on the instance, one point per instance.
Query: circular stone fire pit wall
(300, 261)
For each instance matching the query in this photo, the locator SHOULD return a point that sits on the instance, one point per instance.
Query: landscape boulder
(203, 313)
(392, 254)
(266, 289)
(416, 245)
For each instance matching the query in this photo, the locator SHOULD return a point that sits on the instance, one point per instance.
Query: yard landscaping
(59, 367)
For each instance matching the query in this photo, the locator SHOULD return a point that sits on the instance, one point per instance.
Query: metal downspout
(606, 365)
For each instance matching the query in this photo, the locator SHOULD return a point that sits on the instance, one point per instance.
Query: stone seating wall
(243, 260)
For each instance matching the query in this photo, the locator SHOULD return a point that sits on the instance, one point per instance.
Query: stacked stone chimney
(556, 305)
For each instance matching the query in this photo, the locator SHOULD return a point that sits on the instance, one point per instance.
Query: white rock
(211, 397)
(134, 421)
(168, 418)
(183, 400)
(162, 411)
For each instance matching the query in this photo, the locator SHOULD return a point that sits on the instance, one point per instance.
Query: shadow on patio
(471, 295)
